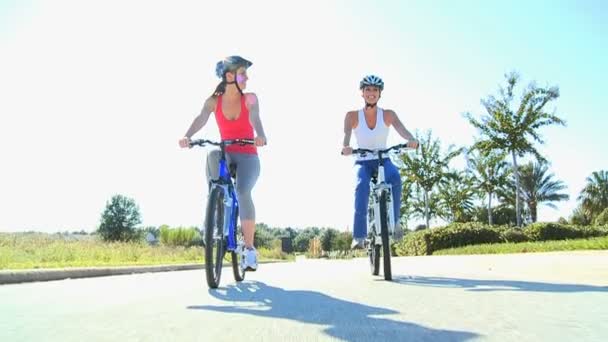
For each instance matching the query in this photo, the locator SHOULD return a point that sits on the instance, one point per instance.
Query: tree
(456, 196)
(602, 218)
(422, 209)
(514, 131)
(290, 233)
(119, 219)
(579, 217)
(502, 214)
(343, 241)
(328, 238)
(506, 197)
(407, 202)
(427, 168)
(594, 196)
(263, 236)
(540, 187)
(302, 240)
(489, 172)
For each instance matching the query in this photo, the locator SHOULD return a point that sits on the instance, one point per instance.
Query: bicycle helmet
(231, 63)
(371, 80)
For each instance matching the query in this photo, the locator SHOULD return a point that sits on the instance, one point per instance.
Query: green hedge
(427, 241)
(547, 231)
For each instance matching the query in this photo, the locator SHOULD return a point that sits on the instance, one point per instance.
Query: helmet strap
(234, 82)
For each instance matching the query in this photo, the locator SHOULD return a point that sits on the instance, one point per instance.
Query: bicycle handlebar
(364, 151)
(203, 142)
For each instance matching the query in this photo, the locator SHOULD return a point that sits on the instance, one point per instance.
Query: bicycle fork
(375, 220)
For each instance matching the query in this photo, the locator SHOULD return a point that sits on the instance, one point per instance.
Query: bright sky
(96, 94)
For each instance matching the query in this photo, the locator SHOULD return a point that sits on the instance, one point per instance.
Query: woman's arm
(254, 117)
(200, 121)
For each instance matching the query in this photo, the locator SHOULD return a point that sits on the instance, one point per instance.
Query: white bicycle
(380, 214)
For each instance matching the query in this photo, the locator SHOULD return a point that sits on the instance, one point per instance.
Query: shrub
(427, 241)
(513, 235)
(544, 231)
(180, 236)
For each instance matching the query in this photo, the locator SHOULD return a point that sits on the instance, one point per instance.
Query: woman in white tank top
(370, 125)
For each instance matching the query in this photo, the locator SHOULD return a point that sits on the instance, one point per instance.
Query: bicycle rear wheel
(386, 247)
(215, 242)
(239, 273)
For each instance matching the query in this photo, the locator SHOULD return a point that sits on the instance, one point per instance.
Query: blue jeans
(365, 169)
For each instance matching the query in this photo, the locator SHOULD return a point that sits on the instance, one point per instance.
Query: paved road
(525, 297)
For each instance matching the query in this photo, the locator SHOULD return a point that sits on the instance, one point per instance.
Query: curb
(36, 275)
(26, 276)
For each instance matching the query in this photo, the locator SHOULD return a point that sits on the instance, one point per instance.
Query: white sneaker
(250, 259)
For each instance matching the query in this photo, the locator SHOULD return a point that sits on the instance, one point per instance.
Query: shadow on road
(346, 320)
(496, 285)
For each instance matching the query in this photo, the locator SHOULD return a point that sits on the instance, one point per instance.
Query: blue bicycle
(221, 231)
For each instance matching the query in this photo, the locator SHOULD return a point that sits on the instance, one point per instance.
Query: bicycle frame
(224, 181)
(376, 193)
(231, 203)
(377, 189)
(380, 214)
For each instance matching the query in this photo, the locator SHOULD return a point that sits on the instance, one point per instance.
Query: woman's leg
(247, 173)
(364, 174)
(394, 179)
(213, 162)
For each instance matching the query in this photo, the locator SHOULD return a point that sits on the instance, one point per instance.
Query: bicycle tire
(215, 242)
(386, 247)
(239, 274)
(374, 257)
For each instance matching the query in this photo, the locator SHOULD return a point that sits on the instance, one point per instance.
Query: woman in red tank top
(237, 116)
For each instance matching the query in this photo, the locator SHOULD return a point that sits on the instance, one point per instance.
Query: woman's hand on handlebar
(260, 141)
(412, 144)
(184, 142)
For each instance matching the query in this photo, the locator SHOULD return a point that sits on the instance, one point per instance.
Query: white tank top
(371, 139)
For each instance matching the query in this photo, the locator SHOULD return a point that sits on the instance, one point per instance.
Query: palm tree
(506, 197)
(514, 131)
(407, 202)
(489, 172)
(594, 195)
(427, 168)
(425, 207)
(456, 196)
(579, 217)
(540, 187)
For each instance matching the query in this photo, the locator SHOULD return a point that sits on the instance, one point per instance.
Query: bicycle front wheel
(386, 247)
(215, 242)
(374, 256)
(239, 272)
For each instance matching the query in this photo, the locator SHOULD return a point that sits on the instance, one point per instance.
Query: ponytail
(220, 89)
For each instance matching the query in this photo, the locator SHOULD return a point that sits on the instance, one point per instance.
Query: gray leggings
(247, 173)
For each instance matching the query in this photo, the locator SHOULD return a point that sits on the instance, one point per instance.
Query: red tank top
(235, 129)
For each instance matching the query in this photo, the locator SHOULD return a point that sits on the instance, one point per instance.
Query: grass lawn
(38, 250)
